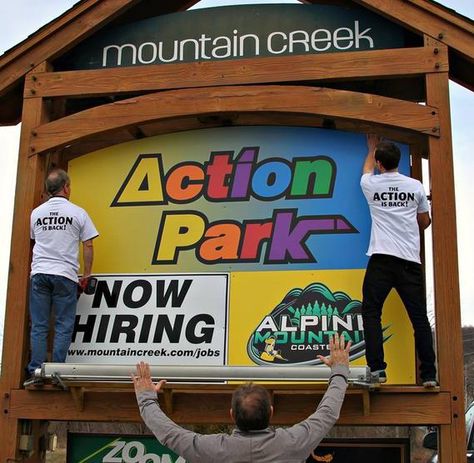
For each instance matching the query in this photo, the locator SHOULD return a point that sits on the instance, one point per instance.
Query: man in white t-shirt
(57, 227)
(400, 212)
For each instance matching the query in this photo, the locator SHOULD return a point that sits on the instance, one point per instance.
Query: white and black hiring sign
(233, 32)
(162, 319)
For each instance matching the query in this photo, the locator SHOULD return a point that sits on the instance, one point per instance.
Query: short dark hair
(251, 407)
(388, 154)
(57, 179)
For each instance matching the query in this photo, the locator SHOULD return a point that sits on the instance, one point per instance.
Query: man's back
(57, 226)
(268, 445)
(394, 200)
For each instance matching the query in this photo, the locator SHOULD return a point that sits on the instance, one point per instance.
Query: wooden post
(417, 172)
(452, 438)
(29, 187)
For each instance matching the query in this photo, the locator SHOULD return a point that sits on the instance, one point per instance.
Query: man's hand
(372, 141)
(339, 352)
(142, 379)
(83, 282)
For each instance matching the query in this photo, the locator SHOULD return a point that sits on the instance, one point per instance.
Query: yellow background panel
(253, 295)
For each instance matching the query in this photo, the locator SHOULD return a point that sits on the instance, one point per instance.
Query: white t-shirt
(394, 202)
(57, 226)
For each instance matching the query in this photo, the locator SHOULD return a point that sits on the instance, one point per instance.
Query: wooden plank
(431, 20)
(410, 88)
(263, 118)
(176, 104)
(446, 279)
(193, 123)
(168, 401)
(228, 388)
(417, 173)
(29, 187)
(53, 40)
(327, 67)
(363, 393)
(403, 408)
(77, 394)
(40, 35)
(366, 402)
(446, 14)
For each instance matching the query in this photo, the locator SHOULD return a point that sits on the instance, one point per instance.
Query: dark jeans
(48, 293)
(383, 273)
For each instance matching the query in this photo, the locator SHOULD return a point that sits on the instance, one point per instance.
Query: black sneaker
(430, 383)
(378, 376)
(34, 381)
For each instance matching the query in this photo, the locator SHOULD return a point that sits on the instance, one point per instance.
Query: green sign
(233, 32)
(106, 448)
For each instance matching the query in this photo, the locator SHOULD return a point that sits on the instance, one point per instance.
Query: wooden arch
(312, 102)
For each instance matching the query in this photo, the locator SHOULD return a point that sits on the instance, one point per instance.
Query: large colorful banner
(267, 226)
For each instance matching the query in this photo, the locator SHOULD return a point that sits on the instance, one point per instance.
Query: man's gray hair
(251, 407)
(56, 181)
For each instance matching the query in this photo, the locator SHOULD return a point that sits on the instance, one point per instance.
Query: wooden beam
(263, 118)
(428, 18)
(408, 406)
(444, 13)
(57, 37)
(417, 173)
(366, 402)
(327, 67)
(176, 104)
(77, 394)
(43, 33)
(446, 278)
(192, 123)
(29, 188)
(168, 401)
(439, 22)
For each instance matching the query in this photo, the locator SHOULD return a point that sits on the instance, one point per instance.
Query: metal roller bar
(70, 372)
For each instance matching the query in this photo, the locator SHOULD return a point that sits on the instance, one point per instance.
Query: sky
(23, 17)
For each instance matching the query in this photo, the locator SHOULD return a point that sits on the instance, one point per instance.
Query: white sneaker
(430, 383)
(378, 376)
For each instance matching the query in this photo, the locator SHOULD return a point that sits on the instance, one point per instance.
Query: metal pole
(122, 373)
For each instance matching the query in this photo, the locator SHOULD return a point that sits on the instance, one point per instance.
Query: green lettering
(313, 177)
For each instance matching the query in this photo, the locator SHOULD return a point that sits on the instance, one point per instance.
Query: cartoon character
(269, 353)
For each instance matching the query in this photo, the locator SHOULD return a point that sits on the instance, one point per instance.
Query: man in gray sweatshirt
(252, 440)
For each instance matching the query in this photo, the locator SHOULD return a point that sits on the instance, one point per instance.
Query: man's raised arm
(372, 142)
(310, 432)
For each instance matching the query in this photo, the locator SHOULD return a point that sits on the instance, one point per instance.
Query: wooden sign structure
(362, 91)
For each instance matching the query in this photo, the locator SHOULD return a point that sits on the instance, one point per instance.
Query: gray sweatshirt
(280, 445)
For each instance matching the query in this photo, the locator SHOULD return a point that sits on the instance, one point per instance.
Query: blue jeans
(48, 293)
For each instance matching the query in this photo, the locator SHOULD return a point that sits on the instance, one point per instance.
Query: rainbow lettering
(224, 178)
